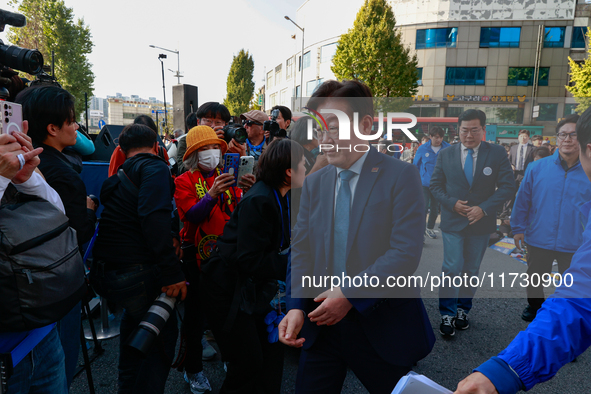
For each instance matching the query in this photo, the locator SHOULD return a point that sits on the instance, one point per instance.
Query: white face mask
(209, 159)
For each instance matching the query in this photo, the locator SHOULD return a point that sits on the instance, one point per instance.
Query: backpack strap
(127, 183)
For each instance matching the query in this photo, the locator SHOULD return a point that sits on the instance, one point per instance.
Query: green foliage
(51, 27)
(240, 86)
(580, 78)
(373, 53)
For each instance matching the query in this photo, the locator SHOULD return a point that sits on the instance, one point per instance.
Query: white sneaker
(198, 382)
(430, 233)
(208, 351)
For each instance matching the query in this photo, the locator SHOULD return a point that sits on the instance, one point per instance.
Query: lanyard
(288, 216)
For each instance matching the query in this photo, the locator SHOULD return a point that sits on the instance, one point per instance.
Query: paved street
(493, 323)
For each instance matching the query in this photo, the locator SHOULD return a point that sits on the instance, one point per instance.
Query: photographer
(255, 143)
(217, 116)
(315, 160)
(134, 258)
(37, 355)
(284, 118)
(252, 254)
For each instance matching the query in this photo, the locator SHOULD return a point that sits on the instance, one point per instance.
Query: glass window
(570, 109)
(499, 37)
(307, 59)
(298, 91)
(579, 33)
(554, 37)
(548, 112)
(524, 76)
(312, 85)
(437, 38)
(465, 75)
(273, 99)
(327, 52)
(420, 76)
(288, 68)
(269, 79)
(278, 74)
(453, 112)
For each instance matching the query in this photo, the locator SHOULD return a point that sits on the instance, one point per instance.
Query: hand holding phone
(231, 165)
(12, 118)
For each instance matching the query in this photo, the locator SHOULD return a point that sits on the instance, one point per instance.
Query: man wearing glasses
(546, 214)
(255, 143)
(471, 180)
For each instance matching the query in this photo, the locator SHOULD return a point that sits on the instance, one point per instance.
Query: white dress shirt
(356, 168)
(474, 157)
(518, 160)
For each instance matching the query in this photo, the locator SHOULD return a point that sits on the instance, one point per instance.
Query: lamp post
(178, 70)
(301, 60)
(160, 57)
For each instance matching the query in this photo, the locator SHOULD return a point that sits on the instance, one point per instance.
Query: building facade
(509, 59)
(123, 110)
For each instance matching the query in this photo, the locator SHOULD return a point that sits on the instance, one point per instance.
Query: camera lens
(27, 60)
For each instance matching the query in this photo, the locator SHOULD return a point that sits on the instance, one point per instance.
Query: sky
(206, 33)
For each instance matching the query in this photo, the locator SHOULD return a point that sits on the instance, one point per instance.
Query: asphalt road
(494, 322)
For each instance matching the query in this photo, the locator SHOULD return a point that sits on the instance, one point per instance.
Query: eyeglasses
(210, 122)
(332, 133)
(472, 131)
(563, 136)
(251, 122)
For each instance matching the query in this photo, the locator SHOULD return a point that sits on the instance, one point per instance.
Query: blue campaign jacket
(425, 160)
(547, 206)
(560, 332)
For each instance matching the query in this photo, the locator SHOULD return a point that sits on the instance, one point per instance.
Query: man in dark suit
(471, 180)
(361, 216)
(520, 156)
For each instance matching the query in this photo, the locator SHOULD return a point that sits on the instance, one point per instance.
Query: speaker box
(106, 142)
(184, 101)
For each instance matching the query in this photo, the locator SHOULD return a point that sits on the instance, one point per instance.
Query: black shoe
(461, 320)
(446, 327)
(529, 313)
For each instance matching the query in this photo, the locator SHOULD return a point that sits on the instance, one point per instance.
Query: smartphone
(12, 117)
(246, 166)
(231, 164)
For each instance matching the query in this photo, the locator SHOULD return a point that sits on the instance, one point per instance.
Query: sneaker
(461, 320)
(208, 351)
(446, 327)
(198, 382)
(529, 313)
(430, 233)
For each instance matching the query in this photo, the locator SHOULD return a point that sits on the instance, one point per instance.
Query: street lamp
(301, 62)
(178, 71)
(160, 57)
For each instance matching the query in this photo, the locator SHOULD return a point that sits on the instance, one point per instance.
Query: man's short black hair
(362, 103)
(472, 114)
(584, 129)
(436, 130)
(524, 131)
(146, 121)
(537, 137)
(299, 133)
(212, 110)
(541, 152)
(569, 119)
(136, 136)
(285, 112)
(44, 105)
(191, 121)
(278, 158)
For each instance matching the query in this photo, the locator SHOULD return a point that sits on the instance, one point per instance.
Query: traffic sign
(101, 124)
(260, 99)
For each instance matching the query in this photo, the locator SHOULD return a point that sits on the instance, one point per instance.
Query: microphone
(12, 18)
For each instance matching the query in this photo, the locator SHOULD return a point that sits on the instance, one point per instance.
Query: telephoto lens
(233, 132)
(27, 60)
(149, 328)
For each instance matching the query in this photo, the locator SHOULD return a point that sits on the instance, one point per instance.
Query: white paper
(414, 383)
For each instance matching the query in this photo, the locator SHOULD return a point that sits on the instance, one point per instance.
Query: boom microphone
(12, 19)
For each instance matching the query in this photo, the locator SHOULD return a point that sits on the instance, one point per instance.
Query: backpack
(41, 269)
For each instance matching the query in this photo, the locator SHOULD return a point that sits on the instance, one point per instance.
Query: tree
(580, 79)
(372, 52)
(240, 86)
(51, 27)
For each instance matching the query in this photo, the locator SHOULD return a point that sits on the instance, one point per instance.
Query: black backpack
(41, 269)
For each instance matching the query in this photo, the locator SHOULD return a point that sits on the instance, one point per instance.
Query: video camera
(273, 127)
(233, 131)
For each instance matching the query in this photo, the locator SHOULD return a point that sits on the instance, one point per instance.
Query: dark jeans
(323, 367)
(539, 261)
(135, 288)
(193, 320)
(69, 332)
(430, 201)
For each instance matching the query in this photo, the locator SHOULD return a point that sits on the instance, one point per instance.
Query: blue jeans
(462, 254)
(135, 288)
(69, 332)
(42, 370)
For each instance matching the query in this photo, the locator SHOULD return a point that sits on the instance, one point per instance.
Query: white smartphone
(246, 166)
(12, 117)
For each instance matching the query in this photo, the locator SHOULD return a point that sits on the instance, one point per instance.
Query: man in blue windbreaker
(562, 328)
(425, 160)
(546, 212)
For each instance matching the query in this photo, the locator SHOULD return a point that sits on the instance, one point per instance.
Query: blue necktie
(469, 166)
(341, 223)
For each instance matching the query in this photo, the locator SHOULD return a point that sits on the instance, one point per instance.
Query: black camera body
(233, 131)
(273, 127)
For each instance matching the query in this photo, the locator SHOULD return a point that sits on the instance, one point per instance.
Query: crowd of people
(234, 250)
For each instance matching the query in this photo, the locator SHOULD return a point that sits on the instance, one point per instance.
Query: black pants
(539, 261)
(432, 204)
(323, 367)
(193, 321)
(508, 206)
